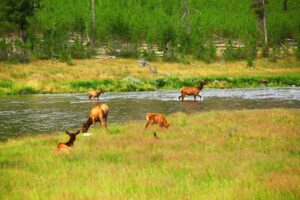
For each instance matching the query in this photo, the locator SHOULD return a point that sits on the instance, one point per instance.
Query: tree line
(66, 29)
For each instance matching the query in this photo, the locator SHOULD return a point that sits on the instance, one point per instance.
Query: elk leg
(105, 121)
(182, 98)
(199, 97)
(160, 124)
(194, 97)
(179, 97)
(101, 121)
(94, 122)
(147, 124)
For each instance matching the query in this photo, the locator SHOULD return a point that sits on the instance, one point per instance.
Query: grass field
(250, 154)
(44, 76)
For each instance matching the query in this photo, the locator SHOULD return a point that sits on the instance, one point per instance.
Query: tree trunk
(23, 35)
(186, 16)
(87, 33)
(285, 5)
(94, 22)
(259, 24)
(265, 22)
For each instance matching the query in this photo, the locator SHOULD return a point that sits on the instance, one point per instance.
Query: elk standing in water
(67, 146)
(188, 91)
(95, 94)
(98, 113)
(155, 118)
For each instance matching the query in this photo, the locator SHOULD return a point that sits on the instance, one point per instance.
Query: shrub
(265, 51)
(233, 53)
(250, 51)
(26, 90)
(14, 51)
(6, 84)
(274, 51)
(149, 55)
(298, 50)
(205, 52)
(124, 53)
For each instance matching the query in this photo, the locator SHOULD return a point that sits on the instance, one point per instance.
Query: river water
(37, 114)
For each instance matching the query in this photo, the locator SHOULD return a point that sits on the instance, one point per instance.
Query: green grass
(167, 83)
(44, 76)
(211, 155)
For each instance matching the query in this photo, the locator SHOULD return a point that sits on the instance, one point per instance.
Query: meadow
(247, 154)
(46, 76)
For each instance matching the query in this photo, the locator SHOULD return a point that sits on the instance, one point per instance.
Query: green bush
(298, 50)
(204, 51)
(149, 55)
(6, 84)
(13, 51)
(27, 90)
(234, 53)
(250, 52)
(265, 50)
(274, 53)
(125, 53)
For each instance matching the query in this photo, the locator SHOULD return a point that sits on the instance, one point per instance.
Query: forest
(76, 29)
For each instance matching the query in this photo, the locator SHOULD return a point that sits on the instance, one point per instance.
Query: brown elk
(67, 146)
(98, 113)
(155, 118)
(188, 91)
(95, 94)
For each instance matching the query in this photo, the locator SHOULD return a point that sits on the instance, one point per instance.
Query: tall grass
(212, 155)
(167, 83)
(125, 75)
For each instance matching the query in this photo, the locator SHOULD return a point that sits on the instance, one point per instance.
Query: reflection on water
(20, 115)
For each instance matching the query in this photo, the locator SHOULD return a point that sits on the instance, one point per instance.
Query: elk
(98, 113)
(155, 118)
(188, 91)
(95, 94)
(67, 146)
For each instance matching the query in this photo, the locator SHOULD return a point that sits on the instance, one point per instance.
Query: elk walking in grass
(155, 118)
(98, 113)
(191, 91)
(67, 146)
(95, 94)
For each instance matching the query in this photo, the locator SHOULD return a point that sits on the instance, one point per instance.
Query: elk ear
(67, 132)
(77, 132)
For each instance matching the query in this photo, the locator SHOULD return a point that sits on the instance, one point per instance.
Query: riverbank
(45, 76)
(210, 155)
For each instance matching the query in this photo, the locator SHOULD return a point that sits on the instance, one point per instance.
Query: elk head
(84, 127)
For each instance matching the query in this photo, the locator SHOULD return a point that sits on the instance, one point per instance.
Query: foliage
(55, 28)
(13, 51)
(125, 53)
(298, 50)
(149, 55)
(204, 51)
(233, 53)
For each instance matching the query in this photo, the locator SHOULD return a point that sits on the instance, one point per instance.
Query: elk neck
(200, 87)
(88, 122)
(71, 141)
